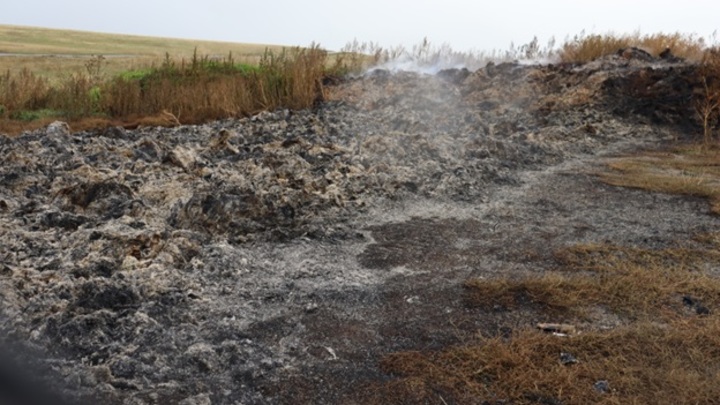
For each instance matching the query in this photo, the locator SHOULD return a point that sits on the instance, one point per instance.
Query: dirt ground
(277, 259)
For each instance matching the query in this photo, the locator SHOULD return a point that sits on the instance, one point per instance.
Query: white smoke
(407, 64)
(427, 58)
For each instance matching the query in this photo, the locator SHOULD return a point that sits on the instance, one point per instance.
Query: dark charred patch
(454, 76)
(96, 296)
(83, 335)
(148, 150)
(64, 220)
(231, 211)
(273, 329)
(426, 244)
(169, 307)
(10, 179)
(665, 95)
(85, 194)
(104, 268)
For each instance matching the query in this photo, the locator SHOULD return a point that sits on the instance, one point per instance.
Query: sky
(464, 25)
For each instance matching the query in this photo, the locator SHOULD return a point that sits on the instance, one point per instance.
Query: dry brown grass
(57, 68)
(663, 301)
(693, 170)
(584, 48)
(54, 53)
(36, 40)
(630, 281)
(195, 90)
(84, 78)
(644, 363)
(23, 90)
(661, 355)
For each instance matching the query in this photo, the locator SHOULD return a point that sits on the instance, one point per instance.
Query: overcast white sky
(465, 25)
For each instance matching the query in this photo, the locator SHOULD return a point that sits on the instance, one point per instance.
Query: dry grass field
(56, 53)
(97, 80)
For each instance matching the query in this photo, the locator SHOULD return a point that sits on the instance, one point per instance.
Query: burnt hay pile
(139, 262)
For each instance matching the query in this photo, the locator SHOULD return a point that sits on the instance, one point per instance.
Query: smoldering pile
(102, 233)
(274, 176)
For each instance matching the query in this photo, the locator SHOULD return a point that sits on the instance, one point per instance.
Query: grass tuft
(707, 104)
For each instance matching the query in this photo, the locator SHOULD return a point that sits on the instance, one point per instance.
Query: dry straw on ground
(690, 171)
(664, 301)
(658, 356)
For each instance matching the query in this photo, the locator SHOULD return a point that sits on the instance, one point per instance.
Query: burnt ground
(423, 307)
(276, 259)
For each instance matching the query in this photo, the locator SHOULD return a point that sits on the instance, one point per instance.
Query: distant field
(56, 53)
